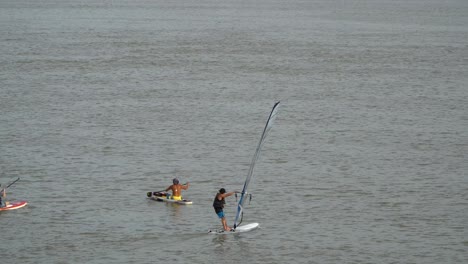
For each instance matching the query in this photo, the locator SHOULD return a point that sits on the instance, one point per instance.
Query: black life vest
(218, 204)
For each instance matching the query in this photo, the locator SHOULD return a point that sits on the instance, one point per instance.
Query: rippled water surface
(103, 101)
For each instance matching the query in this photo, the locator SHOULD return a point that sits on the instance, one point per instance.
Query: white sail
(240, 205)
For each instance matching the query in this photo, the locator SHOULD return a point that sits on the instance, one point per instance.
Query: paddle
(4, 193)
(149, 194)
(11, 184)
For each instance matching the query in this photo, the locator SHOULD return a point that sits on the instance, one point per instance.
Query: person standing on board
(218, 205)
(176, 189)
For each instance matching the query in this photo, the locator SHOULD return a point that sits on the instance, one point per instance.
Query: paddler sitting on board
(177, 189)
(218, 205)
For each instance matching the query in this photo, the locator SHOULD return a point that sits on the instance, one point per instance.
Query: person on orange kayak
(3, 202)
(176, 189)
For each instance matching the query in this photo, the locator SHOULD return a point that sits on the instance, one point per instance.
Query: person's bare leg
(225, 226)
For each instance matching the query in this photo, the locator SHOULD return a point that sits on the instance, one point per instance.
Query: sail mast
(267, 128)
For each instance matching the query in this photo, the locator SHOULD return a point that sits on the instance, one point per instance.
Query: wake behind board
(14, 205)
(163, 197)
(239, 229)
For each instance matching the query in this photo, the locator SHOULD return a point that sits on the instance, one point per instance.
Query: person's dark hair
(222, 190)
(175, 181)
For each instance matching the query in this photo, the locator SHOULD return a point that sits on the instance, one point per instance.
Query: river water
(103, 101)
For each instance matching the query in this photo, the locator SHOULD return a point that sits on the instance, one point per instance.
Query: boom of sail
(240, 205)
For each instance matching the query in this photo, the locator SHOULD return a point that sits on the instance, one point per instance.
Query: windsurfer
(218, 205)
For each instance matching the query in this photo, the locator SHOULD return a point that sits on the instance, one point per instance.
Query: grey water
(103, 101)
